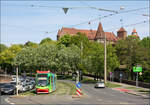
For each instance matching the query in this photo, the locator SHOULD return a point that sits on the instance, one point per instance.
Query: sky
(23, 21)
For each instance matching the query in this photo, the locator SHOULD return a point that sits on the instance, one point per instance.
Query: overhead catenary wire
(85, 22)
(102, 17)
(128, 25)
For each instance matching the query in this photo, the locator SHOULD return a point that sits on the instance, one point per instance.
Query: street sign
(120, 75)
(78, 85)
(137, 69)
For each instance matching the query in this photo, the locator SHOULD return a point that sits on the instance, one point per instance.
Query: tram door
(51, 82)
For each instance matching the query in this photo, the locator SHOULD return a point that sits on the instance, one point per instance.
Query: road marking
(99, 99)
(9, 101)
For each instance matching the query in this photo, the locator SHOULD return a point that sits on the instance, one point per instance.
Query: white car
(100, 85)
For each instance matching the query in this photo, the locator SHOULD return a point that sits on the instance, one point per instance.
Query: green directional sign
(137, 69)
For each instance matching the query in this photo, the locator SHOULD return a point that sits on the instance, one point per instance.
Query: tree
(130, 53)
(46, 40)
(145, 42)
(30, 44)
(2, 47)
(112, 59)
(65, 40)
(7, 56)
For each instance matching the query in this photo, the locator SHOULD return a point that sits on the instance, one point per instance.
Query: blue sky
(21, 23)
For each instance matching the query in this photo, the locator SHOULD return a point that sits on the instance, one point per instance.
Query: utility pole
(17, 80)
(105, 69)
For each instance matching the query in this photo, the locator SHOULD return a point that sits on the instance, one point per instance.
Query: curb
(138, 94)
(133, 93)
(19, 96)
(76, 96)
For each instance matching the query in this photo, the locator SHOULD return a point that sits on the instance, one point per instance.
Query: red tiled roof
(110, 36)
(121, 29)
(91, 34)
(134, 30)
(100, 32)
(72, 31)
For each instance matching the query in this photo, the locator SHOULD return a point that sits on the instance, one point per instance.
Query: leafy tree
(7, 56)
(46, 40)
(2, 47)
(30, 44)
(112, 59)
(65, 40)
(130, 53)
(145, 42)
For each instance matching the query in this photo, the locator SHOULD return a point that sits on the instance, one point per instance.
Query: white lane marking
(8, 101)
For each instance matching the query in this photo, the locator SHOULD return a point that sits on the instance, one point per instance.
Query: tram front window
(42, 82)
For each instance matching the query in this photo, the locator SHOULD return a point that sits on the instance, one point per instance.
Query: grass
(112, 85)
(134, 88)
(62, 88)
(144, 91)
(87, 80)
(64, 77)
(31, 92)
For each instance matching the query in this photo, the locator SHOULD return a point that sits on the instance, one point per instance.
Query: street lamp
(105, 56)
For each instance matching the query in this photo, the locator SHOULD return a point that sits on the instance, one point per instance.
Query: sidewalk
(139, 91)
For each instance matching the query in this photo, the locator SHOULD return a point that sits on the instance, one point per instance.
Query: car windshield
(42, 82)
(14, 83)
(8, 86)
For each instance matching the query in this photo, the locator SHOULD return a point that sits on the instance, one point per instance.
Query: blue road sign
(78, 85)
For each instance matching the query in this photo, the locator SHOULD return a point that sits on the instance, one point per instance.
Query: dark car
(8, 89)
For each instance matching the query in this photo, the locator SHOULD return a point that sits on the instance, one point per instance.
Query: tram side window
(51, 80)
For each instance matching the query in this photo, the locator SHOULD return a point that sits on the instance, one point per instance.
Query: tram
(45, 82)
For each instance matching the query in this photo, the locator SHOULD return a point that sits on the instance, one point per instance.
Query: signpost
(137, 69)
(120, 77)
(110, 74)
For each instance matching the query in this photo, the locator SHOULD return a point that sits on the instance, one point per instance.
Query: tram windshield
(42, 75)
(42, 82)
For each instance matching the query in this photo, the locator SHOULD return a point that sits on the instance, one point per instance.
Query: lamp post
(105, 56)
(17, 80)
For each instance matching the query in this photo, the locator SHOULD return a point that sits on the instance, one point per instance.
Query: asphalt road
(109, 96)
(104, 96)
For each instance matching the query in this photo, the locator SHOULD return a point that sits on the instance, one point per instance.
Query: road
(105, 96)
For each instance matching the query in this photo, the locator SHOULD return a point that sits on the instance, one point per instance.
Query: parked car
(8, 89)
(19, 85)
(100, 85)
(24, 88)
(31, 86)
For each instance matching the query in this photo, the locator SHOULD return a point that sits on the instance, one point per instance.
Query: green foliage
(46, 40)
(2, 47)
(145, 42)
(8, 55)
(65, 40)
(112, 59)
(130, 53)
(30, 44)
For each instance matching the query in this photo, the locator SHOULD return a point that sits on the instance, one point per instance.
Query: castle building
(97, 35)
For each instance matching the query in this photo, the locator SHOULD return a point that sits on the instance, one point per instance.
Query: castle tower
(121, 33)
(134, 33)
(100, 34)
